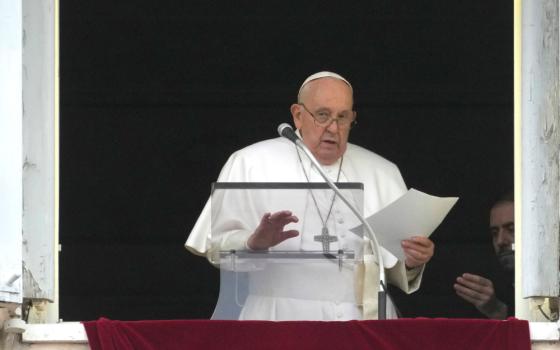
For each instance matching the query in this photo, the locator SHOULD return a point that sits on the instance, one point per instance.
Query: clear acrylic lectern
(311, 276)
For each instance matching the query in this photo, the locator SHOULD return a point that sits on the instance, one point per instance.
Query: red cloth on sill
(420, 333)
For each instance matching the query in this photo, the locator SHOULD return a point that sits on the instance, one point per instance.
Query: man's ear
(295, 109)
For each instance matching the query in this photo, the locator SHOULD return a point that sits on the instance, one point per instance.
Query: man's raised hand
(270, 231)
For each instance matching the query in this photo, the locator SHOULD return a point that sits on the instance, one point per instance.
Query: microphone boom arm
(382, 296)
(369, 230)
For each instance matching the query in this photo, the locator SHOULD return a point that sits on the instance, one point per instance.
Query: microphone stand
(382, 294)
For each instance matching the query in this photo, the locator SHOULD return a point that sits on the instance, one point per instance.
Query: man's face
(502, 229)
(324, 95)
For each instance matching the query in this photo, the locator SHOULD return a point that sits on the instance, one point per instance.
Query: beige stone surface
(545, 345)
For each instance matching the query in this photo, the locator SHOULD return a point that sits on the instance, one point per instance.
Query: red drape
(421, 333)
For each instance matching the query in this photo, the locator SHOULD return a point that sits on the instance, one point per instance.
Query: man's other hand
(418, 250)
(479, 291)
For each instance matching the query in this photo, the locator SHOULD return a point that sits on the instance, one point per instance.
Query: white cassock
(307, 292)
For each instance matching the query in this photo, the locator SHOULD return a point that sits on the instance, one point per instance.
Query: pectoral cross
(325, 239)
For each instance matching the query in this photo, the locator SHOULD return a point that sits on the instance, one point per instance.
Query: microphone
(285, 130)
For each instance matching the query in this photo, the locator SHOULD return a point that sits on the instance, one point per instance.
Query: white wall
(10, 149)
(39, 125)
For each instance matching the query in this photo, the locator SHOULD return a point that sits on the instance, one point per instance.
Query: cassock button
(340, 220)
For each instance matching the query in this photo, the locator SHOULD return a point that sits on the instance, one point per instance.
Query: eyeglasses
(324, 118)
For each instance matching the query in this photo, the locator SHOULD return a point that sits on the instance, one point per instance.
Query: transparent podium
(314, 276)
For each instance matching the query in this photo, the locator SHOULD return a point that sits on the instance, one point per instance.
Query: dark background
(156, 95)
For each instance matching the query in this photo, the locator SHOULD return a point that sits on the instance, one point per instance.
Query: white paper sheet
(413, 214)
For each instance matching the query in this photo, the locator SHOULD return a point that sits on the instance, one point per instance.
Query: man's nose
(333, 125)
(503, 238)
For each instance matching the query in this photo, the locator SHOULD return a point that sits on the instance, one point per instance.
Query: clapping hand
(479, 291)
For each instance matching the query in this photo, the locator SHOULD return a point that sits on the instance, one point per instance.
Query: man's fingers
(282, 218)
(420, 242)
(421, 247)
(470, 285)
(474, 294)
(284, 235)
(475, 281)
(478, 291)
(415, 258)
(425, 241)
(265, 218)
(467, 297)
(280, 214)
(416, 254)
(288, 234)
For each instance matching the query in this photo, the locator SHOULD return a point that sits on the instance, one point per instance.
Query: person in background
(481, 291)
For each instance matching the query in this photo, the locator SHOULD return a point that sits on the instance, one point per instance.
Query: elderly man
(323, 116)
(480, 291)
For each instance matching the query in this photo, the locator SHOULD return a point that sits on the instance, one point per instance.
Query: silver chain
(311, 192)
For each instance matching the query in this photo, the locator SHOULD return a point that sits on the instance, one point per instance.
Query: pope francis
(323, 116)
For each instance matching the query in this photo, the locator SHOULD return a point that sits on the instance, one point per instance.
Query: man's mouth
(505, 251)
(330, 142)
(507, 259)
